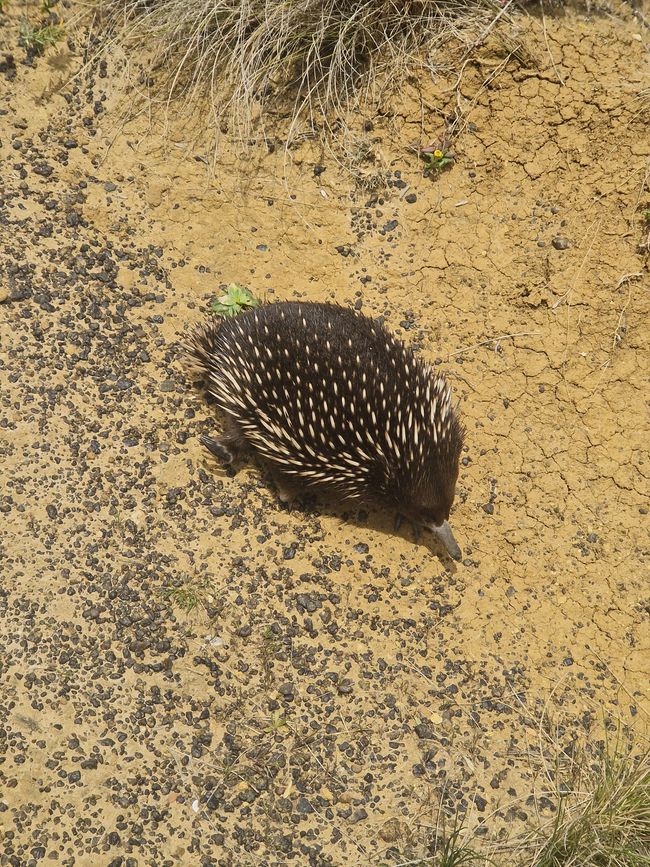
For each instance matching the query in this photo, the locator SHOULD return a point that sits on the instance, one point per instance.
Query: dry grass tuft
(603, 816)
(307, 63)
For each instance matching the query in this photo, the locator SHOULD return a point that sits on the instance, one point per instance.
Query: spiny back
(331, 397)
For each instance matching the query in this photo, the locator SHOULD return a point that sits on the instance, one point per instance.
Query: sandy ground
(337, 687)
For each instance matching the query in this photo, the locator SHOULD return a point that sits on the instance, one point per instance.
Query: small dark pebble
(110, 187)
(345, 687)
(411, 198)
(43, 169)
(488, 508)
(304, 807)
(51, 512)
(560, 243)
(424, 730)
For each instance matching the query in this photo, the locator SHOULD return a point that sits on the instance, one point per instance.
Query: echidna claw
(217, 448)
(416, 531)
(398, 521)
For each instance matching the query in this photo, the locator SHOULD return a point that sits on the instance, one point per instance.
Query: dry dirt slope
(337, 683)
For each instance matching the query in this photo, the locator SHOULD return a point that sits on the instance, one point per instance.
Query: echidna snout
(329, 399)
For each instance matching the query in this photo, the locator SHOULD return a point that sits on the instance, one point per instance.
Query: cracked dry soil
(336, 684)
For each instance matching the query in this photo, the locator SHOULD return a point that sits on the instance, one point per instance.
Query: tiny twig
(548, 47)
(494, 340)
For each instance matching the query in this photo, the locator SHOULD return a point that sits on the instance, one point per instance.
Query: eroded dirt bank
(336, 683)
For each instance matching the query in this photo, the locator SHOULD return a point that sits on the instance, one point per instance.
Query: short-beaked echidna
(330, 399)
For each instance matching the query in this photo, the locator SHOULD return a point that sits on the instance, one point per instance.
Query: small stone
(488, 508)
(424, 730)
(110, 187)
(411, 198)
(481, 803)
(391, 831)
(43, 169)
(52, 512)
(560, 243)
(304, 807)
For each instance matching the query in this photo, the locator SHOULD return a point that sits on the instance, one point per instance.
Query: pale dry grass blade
(302, 60)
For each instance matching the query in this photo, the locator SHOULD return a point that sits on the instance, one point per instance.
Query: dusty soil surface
(337, 688)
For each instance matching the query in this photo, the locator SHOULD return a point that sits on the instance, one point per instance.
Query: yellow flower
(438, 154)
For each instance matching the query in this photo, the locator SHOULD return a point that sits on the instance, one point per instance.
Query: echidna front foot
(230, 446)
(222, 449)
(415, 527)
(287, 494)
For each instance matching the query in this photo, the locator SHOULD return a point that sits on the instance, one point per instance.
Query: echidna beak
(443, 532)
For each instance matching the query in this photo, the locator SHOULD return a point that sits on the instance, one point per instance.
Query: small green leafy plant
(276, 723)
(235, 299)
(37, 39)
(187, 596)
(436, 159)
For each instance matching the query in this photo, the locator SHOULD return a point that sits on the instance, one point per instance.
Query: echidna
(329, 399)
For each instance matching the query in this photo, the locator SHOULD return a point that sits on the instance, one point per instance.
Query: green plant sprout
(37, 39)
(235, 299)
(436, 159)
